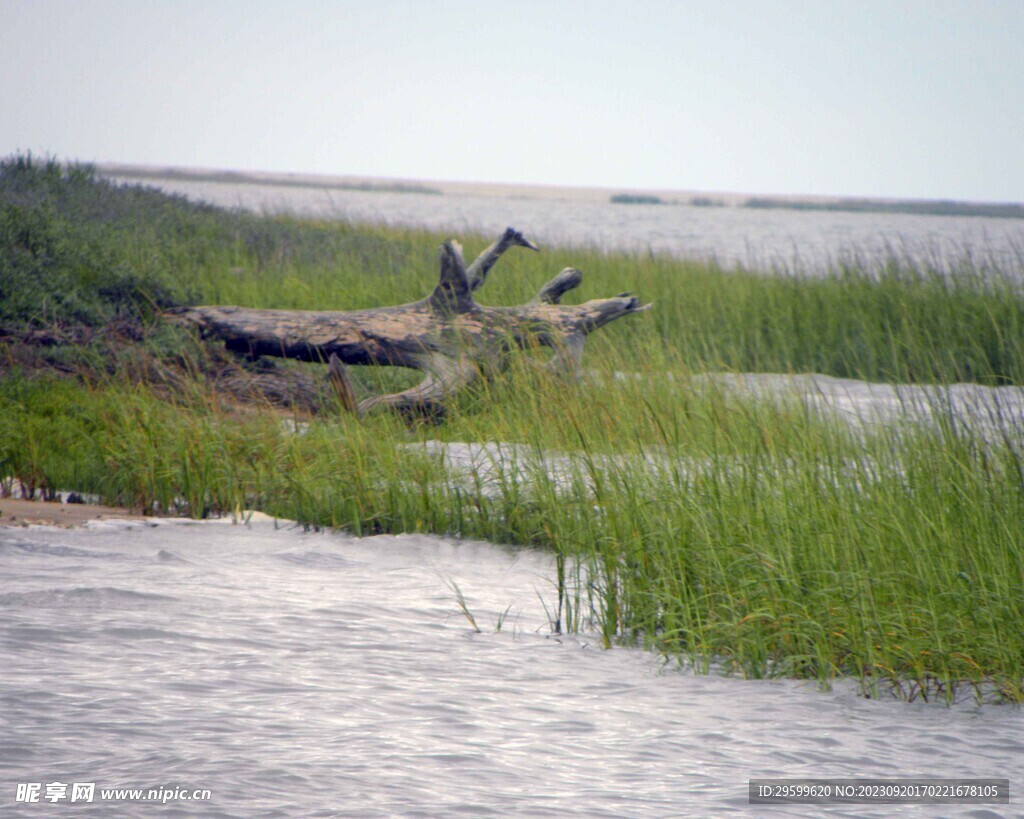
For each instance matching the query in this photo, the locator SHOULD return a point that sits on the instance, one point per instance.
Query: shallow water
(788, 239)
(993, 413)
(298, 673)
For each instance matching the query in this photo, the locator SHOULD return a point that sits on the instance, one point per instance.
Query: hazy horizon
(256, 177)
(915, 100)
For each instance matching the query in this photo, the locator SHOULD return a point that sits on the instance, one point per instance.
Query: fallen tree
(447, 335)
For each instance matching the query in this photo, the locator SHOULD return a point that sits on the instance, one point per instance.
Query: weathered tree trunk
(447, 335)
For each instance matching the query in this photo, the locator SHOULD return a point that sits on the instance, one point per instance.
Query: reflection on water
(310, 674)
(805, 240)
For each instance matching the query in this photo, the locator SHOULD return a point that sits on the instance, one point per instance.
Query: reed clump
(752, 535)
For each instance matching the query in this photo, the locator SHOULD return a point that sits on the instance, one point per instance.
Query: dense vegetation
(732, 532)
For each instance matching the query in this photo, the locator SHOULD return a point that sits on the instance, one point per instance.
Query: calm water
(302, 674)
(760, 238)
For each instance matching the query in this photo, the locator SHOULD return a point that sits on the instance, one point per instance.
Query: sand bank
(16, 512)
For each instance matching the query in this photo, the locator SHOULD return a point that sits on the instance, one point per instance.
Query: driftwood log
(447, 335)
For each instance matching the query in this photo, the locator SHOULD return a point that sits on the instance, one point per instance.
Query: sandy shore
(24, 513)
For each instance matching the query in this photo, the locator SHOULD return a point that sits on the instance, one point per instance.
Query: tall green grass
(728, 532)
(748, 535)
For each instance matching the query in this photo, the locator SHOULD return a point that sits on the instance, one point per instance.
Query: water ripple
(321, 675)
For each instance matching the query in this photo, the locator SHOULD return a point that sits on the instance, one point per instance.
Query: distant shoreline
(281, 180)
(923, 207)
(621, 196)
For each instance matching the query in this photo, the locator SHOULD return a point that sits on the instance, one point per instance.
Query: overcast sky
(854, 97)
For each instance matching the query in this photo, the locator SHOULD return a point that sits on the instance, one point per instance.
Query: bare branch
(483, 263)
(552, 292)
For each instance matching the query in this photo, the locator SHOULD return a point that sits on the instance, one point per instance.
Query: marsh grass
(749, 535)
(746, 536)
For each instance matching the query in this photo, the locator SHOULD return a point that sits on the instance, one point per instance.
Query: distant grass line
(728, 532)
(241, 178)
(635, 199)
(920, 207)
